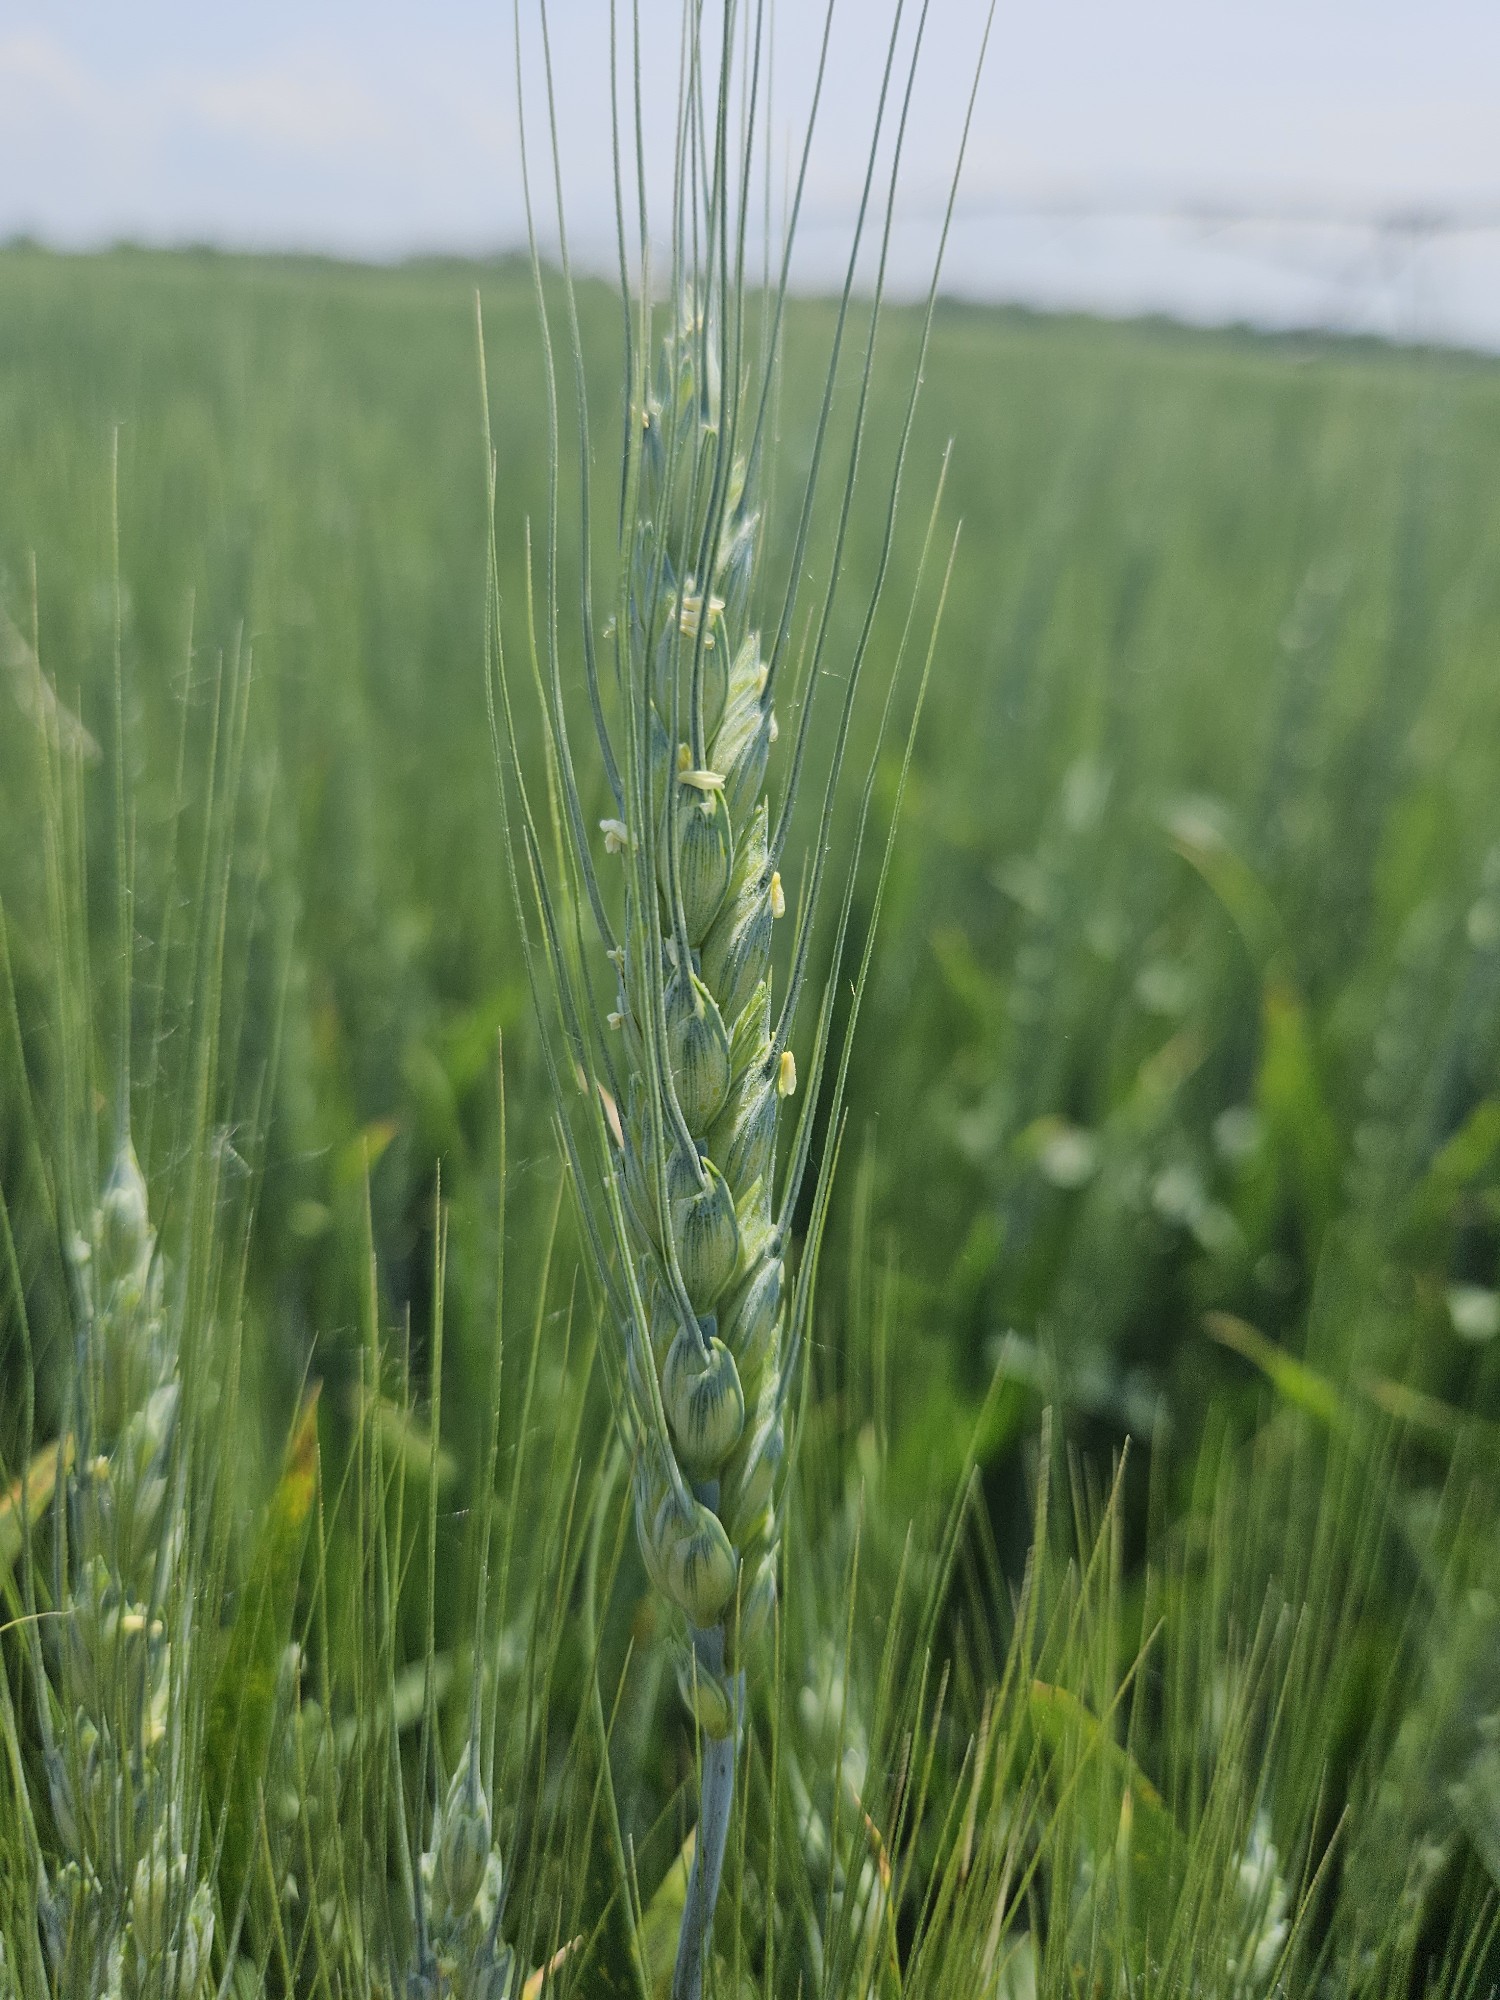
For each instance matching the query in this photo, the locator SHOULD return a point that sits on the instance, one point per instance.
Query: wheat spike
(123, 1912)
(669, 1055)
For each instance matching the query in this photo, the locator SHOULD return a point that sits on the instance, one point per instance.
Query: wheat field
(1140, 1607)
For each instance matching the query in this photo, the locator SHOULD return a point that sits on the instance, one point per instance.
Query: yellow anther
(703, 781)
(690, 611)
(786, 1074)
(778, 896)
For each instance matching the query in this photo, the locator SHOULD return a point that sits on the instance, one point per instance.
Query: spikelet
(695, 1559)
(704, 1402)
(736, 954)
(705, 1235)
(698, 1050)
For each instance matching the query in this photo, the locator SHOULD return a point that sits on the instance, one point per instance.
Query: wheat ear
(670, 1057)
(123, 1909)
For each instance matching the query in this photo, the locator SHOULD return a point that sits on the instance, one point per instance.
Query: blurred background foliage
(1176, 1099)
(1188, 996)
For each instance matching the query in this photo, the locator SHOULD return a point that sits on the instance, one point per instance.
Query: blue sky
(376, 129)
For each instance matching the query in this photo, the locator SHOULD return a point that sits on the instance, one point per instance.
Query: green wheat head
(123, 1911)
(109, 1847)
(668, 1040)
(704, 1065)
(650, 927)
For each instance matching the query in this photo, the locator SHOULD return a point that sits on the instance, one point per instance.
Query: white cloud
(299, 146)
(306, 103)
(312, 109)
(35, 63)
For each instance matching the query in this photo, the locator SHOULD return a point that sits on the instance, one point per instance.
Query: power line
(1356, 252)
(1414, 219)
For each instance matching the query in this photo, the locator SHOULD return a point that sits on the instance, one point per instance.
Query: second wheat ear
(128, 1905)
